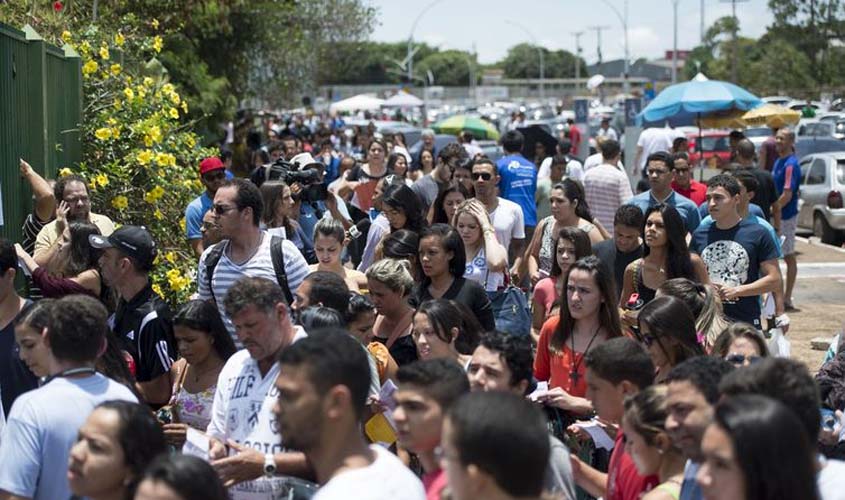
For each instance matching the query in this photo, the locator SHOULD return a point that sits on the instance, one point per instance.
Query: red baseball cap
(210, 163)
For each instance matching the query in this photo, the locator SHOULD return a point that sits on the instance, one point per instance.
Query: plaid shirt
(607, 188)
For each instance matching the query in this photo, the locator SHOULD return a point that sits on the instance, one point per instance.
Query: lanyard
(70, 372)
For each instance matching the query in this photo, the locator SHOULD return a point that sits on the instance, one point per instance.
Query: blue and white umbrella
(696, 98)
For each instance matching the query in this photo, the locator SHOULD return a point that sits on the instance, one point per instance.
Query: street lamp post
(675, 41)
(542, 59)
(623, 18)
(410, 57)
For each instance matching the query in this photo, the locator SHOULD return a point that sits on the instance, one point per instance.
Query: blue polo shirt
(685, 207)
(518, 183)
(194, 213)
(787, 175)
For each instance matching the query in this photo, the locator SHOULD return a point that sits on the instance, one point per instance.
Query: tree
(523, 61)
(450, 67)
(811, 26)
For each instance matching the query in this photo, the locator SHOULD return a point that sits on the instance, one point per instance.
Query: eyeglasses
(482, 175)
(221, 209)
(740, 359)
(657, 171)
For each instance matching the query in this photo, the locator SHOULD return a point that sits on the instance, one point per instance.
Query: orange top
(557, 367)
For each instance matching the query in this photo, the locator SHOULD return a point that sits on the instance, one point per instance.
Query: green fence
(40, 109)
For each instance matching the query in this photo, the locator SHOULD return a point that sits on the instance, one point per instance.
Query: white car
(820, 202)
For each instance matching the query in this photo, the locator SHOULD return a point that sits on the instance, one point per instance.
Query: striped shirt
(226, 273)
(606, 188)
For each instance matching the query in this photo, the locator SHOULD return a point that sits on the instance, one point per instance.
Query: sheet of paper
(196, 444)
(542, 388)
(599, 435)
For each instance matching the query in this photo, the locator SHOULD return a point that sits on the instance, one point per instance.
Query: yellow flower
(111, 121)
(148, 82)
(154, 24)
(174, 97)
(129, 93)
(158, 215)
(103, 134)
(170, 257)
(118, 104)
(145, 156)
(104, 53)
(102, 180)
(115, 132)
(90, 67)
(188, 184)
(167, 88)
(185, 107)
(115, 69)
(157, 290)
(174, 113)
(85, 47)
(190, 141)
(148, 197)
(119, 39)
(183, 224)
(162, 159)
(157, 43)
(142, 92)
(66, 36)
(120, 202)
(158, 192)
(65, 171)
(155, 133)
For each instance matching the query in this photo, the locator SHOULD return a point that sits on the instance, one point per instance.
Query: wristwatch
(269, 465)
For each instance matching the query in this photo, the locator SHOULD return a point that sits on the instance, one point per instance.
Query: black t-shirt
(144, 329)
(15, 377)
(467, 292)
(615, 261)
(403, 350)
(732, 257)
(766, 193)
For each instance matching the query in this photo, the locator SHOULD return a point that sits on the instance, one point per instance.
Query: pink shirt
(545, 294)
(434, 483)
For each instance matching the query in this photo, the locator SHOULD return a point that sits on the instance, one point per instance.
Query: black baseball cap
(134, 241)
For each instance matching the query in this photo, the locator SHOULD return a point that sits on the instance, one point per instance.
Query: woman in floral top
(204, 345)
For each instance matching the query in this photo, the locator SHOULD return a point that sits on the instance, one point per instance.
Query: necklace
(197, 374)
(574, 376)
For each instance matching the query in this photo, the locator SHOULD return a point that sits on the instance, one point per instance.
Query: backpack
(276, 253)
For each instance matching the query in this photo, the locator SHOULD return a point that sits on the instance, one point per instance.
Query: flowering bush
(140, 156)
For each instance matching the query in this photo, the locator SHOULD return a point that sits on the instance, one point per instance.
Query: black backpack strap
(277, 253)
(211, 260)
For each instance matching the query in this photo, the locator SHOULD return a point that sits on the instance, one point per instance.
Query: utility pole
(701, 41)
(734, 51)
(577, 35)
(598, 30)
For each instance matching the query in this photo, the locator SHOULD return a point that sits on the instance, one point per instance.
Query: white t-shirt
(477, 270)
(508, 222)
(831, 480)
(573, 169)
(259, 266)
(653, 140)
(243, 412)
(385, 479)
(41, 429)
(610, 133)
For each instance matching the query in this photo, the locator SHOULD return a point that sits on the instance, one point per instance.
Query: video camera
(313, 188)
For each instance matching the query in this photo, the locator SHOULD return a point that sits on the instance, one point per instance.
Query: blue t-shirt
(732, 257)
(194, 214)
(690, 490)
(518, 183)
(41, 430)
(787, 175)
(752, 210)
(685, 206)
(708, 221)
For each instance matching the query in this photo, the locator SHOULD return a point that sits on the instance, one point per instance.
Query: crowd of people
(368, 324)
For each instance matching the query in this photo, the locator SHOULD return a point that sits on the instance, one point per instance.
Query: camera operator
(311, 196)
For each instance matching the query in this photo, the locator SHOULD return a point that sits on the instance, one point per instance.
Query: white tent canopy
(361, 102)
(403, 100)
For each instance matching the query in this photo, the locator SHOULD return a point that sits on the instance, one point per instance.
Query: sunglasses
(740, 359)
(221, 209)
(482, 175)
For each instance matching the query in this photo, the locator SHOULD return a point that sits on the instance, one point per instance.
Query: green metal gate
(40, 111)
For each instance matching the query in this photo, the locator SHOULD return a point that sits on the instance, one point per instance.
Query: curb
(812, 240)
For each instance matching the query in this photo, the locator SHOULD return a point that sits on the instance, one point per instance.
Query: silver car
(820, 203)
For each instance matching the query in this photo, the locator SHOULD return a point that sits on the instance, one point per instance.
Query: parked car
(818, 129)
(715, 146)
(809, 145)
(820, 202)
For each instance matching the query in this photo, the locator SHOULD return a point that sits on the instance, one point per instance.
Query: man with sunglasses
(212, 175)
(506, 215)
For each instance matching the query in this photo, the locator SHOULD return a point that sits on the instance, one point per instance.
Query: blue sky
(458, 24)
